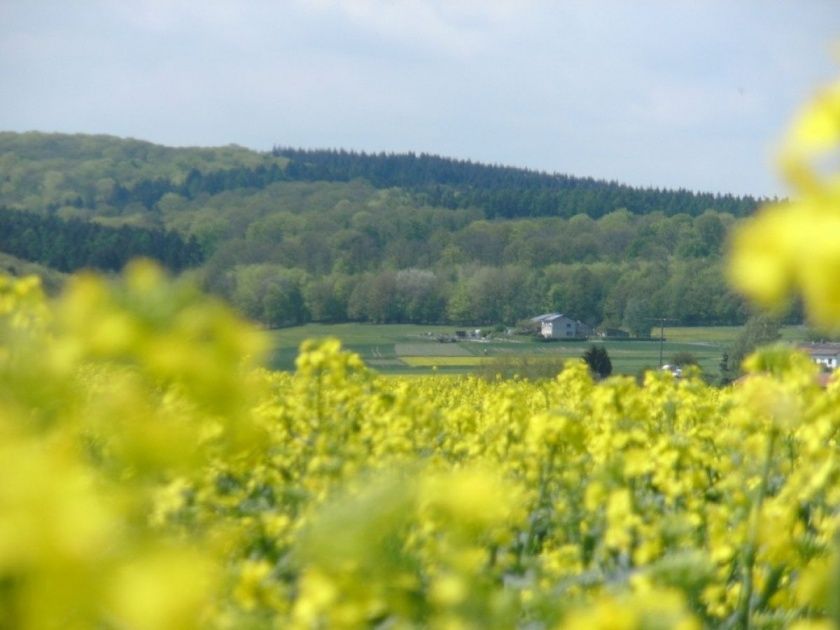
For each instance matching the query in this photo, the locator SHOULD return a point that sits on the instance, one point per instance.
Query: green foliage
(683, 358)
(638, 316)
(759, 330)
(271, 294)
(598, 360)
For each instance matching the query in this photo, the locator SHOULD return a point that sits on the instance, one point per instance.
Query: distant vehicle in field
(676, 370)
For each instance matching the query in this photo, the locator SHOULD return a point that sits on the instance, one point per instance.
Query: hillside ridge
(499, 190)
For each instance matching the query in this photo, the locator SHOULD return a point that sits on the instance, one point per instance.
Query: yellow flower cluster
(796, 245)
(195, 489)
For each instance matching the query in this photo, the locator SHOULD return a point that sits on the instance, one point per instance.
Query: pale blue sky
(669, 93)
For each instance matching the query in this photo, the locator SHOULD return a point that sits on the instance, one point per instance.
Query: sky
(666, 93)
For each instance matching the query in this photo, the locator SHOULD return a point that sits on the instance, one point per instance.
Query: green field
(415, 349)
(443, 361)
(723, 334)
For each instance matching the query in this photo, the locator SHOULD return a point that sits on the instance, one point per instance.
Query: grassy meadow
(415, 349)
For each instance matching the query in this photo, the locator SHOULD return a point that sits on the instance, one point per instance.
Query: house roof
(553, 317)
(556, 317)
(821, 349)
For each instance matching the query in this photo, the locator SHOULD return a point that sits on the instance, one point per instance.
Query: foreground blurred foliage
(793, 247)
(156, 477)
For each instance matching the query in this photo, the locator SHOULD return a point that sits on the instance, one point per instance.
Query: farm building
(826, 355)
(613, 333)
(558, 326)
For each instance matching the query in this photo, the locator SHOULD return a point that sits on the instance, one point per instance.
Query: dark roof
(822, 349)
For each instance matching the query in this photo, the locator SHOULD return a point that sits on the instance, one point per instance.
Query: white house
(558, 326)
(826, 355)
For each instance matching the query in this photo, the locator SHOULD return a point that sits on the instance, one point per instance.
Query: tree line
(630, 295)
(73, 244)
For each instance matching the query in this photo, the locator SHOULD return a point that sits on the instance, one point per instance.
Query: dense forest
(290, 236)
(500, 191)
(69, 245)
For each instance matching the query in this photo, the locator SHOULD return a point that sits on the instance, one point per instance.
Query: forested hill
(47, 171)
(501, 191)
(290, 236)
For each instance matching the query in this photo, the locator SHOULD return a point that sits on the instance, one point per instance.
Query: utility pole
(661, 340)
(661, 321)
